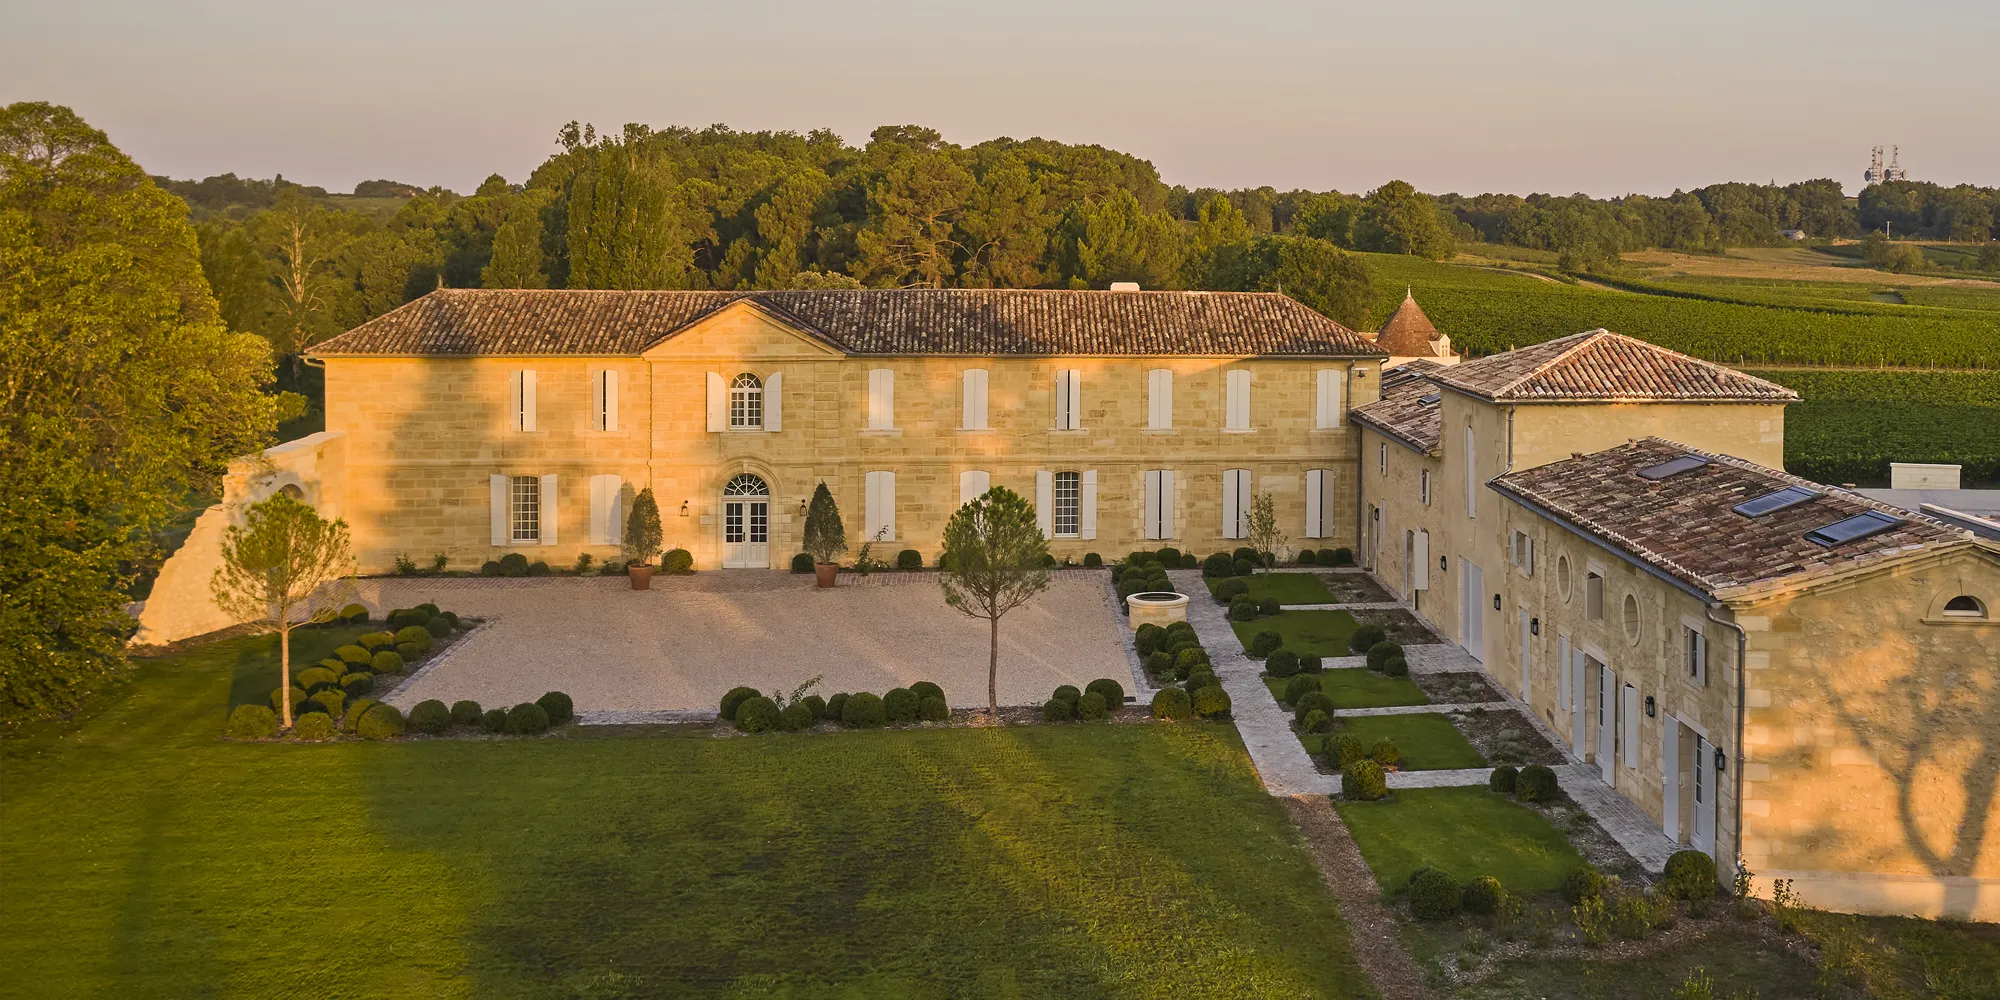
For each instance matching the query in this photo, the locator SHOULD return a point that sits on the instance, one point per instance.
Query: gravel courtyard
(678, 647)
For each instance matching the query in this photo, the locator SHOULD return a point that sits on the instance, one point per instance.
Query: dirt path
(1372, 928)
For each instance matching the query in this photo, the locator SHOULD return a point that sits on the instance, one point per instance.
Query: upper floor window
(1471, 477)
(881, 399)
(1382, 459)
(1424, 487)
(974, 416)
(1069, 400)
(1694, 655)
(521, 413)
(746, 402)
(1236, 400)
(1522, 548)
(604, 399)
(1326, 398)
(1964, 606)
(1593, 597)
(1160, 399)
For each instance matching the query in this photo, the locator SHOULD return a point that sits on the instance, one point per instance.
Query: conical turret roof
(1408, 333)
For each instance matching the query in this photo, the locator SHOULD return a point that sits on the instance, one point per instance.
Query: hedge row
(753, 712)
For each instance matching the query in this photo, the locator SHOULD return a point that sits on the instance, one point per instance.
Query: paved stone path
(1626, 823)
(1440, 778)
(1355, 606)
(1421, 709)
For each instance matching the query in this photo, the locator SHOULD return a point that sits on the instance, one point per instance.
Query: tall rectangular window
(1069, 400)
(1523, 547)
(1160, 399)
(746, 403)
(604, 399)
(521, 415)
(881, 399)
(1424, 487)
(878, 514)
(1695, 656)
(1236, 400)
(524, 508)
(1471, 478)
(1382, 458)
(1326, 398)
(974, 417)
(1236, 503)
(1159, 503)
(1593, 597)
(1068, 504)
(1319, 503)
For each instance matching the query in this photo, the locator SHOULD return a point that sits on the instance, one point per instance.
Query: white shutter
(1166, 503)
(1315, 486)
(881, 399)
(1631, 720)
(1562, 673)
(608, 399)
(1326, 408)
(973, 484)
(1526, 652)
(1045, 502)
(1420, 559)
(718, 404)
(1160, 399)
(1579, 701)
(1670, 778)
(1236, 402)
(498, 513)
(528, 399)
(1069, 399)
(548, 506)
(1089, 503)
(879, 506)
(774, 402)
(974, 418)
(1152, 514)
(1235, 490)
(1471, 477)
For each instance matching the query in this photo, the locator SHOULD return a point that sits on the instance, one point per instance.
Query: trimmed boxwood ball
(932, 708)
(298, 698)
(926, 689)
(336, 665)
(1160, 662)
(1092, 707)
(513, 564)
(1269, 606)
(1342, 556)
(1058, 710)
(1365, 637)
(372, 641)
(380, 722)
(1315, 722)
(1282, 663)
(802, 563)
(863, 709)
(1243, 609)
(1168, 556)
(1245, 553)
(909, 559)
(1203, 678)
(1191, 658)
(835, 705)
(1148, 639)
(1231, 589)
(357, 684)
(1690, 875)
(489, 568)
(1113, 692)
(1395, 666)
(1265, 643)
(438, 628)
(1092, 560)
(430, 717)
(1536, 783)
(308, 705)
(493, 720)
(1363, 781)
(313, 726)
(465, 713)
(899, 705)
(1069, 693)
(354, 614)
(1211, 700)
(1311, 700)
(754, 715)
(251, 722)
(452, 617)
(814, 704)
(315, 678)
(1347, 749)
(1434, 895)
(1581, 884)
(1172, 704)
(796, 716)
(1182, 627)
(1483, 895)
(735, 697)
(414, 633)
(528, 719)
(1307, 557)
(355, 710)
(1309, 664)
(678, 561)
(1379, 654)
(427, 608)
(352, 654)
(1244, 567)
(333, 699)
(558, 706)
(410, 652)
(1384, 752)
(1298, 687)
(1217, 566)
(387, 661)
(1502, 779)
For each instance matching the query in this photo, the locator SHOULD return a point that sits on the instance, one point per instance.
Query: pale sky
(1561, 96)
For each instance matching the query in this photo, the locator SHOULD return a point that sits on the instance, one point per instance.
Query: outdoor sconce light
(1440, 564)
(1360, 373)
(802, 506)
(1534, 626)
(684, 508)
(1649, 706)
(1720, 760)
(1496, 602)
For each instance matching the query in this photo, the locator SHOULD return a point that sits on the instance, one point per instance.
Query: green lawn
(1467, 832)
(1287, 588)
(1307, 633)
(147, 858)
(1427, 740)
(1350, 688)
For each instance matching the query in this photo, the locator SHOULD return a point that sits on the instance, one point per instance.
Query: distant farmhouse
(1773, 670)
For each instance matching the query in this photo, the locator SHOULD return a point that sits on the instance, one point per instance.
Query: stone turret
(1409, 334)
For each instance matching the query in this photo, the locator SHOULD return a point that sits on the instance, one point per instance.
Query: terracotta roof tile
(1408, 333)
(1601, 365)
(873, 321)
(1401, 413)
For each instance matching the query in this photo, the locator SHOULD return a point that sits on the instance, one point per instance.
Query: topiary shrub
(755, 715)
(493, 720)
(1181, 627)
(1190, 659)
(372, 641)
(1379, 654)
(513, 564)
(251, 722)
(1232, 588)
(1362, 781)
(1161, 663)
(1434, 895)
(527, 719)
(1395, 666)
(1092, 706)
(1269, 606)
(489, 568)
(677, 561)
(558, 706)
(1172, 704)
(735, 697)
(1483, 896)
(315, 678)
(438, 627)
(1537, 783)
(816, 704)
(1502, 779)
(1058, 710)
(538, 568)
(1243, 567)
(1245, 553)
(1324, 557)
(835, 705)
(802, 563)
(1306, 557)
(410, 651)
(1148, 639)
(1298, 687)
(1384, 752)
(926, 689)
(1202, 678)
(313, 726)
(387, 661)
(909, 559)
(932, 708)
(1690, 875)
(416, 634)
(1265, 643)
(796, 715)
(1243, 608)
(355, 710)
(380, 722)
(862, 710)
(1168, 556)
(357, 684)
(354, 614)
(337, 665)
(1365, 637)
(353, 654)
(1582, 884)
(899, 705)
(452, 617)
(1347, 749)
(1069, 693)
(465, 713)
(1315, 721)
(333, 699)
(1113, 692)
(1217, 566)
(1282, 663)
(305, 706)
(430, 717)
(1309, 665)
(1309, 701)
(1342, 556)
(1092, 560)
(298, 697)
(427, 608)
(1211, 700)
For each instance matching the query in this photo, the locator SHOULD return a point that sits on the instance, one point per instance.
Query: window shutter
(610, 404)
(1327, 408)
(1631, 720)
(548, 503)
(1471, 477)
(605, 523)
(1562, 673)
(527, 399)
(718, 403)
(1152, 514)
(774, 402)
(1088, 503)
(1420, 555)
(1236, 402)
(879, 506)
(1235, 483)
(881, 399)
(498, 514)
(1160, 399)
(1315, 483)
(1166, 503)
(974, 418)
(1670, 778)
(1069, 399)
(1045, 502)
(972, 484)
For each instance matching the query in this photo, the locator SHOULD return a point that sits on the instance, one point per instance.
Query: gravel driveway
(624, 654)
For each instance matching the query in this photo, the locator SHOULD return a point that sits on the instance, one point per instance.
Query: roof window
(1848, 529)
(1672, 467)
(1430, 400)
(1771, 503)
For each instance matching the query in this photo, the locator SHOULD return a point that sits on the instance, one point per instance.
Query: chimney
(1124, 286)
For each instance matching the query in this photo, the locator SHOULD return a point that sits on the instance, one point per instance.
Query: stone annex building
(1772, 669)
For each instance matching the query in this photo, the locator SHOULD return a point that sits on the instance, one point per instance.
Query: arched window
(1964, 606)
(746, 485)
(746, 402)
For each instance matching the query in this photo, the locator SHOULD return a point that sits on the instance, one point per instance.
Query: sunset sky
(1450, 95)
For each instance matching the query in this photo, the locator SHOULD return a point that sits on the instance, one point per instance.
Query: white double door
(746, 532)
(1688, 786)
(1472, 605)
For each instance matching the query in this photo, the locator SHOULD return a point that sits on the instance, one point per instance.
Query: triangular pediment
(742, 329)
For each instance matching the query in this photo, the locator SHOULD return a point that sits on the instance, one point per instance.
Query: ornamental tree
(825, 537)
(283, 567)
(643, 536)
(995, 560)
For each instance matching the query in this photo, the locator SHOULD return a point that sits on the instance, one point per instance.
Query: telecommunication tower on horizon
(1877, 173)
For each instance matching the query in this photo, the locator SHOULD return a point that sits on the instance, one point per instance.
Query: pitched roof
(467, 322)
(1682, 524)
(1408, 333)
(1601, 365)
(1401, 413)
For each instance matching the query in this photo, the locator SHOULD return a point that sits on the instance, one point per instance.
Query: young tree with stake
(1264, 534)
(995, 560)
(279, 563)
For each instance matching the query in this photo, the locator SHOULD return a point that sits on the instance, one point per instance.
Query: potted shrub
(642, 539)
(825, 536)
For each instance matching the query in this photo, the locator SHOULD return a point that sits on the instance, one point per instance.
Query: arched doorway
(746, 523)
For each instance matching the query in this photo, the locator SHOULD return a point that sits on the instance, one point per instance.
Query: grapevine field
(1849, 425)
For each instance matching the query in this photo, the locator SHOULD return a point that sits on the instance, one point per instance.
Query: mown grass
(1351, 688)
(1286, 588)
(146, 857)
(1307, 633)
(1465, 832)
(1427, 741)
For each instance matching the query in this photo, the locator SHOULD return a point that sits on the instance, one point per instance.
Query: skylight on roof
(1430, 400)
(1848, 529)
(1771, 503)
(1672, 467)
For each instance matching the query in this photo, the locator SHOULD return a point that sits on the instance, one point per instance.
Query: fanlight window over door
(746, 485)
(746, 404)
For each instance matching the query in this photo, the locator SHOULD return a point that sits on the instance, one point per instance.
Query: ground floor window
(1069, 504)
(524, 508)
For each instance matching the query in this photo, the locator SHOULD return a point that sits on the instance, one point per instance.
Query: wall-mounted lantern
(1721, 762)
(684, 507)
(1649, 706)
(802, 506)
(1440, 564)
(1534, 626)
(1496, 602)
(1360, 373)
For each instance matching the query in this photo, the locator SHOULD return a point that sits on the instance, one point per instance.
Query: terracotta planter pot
(642, 576)
(826, 572)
